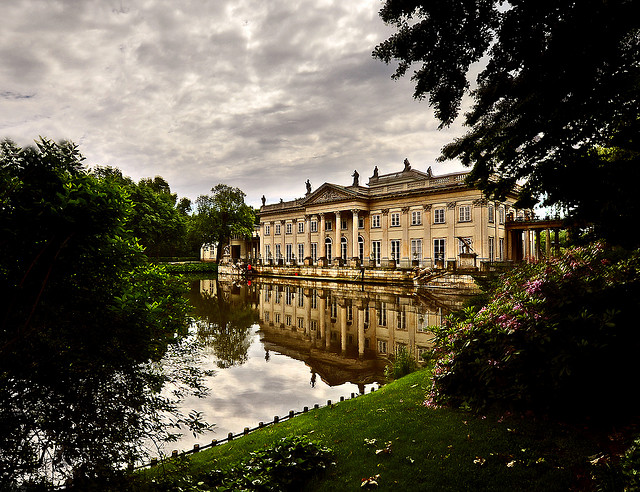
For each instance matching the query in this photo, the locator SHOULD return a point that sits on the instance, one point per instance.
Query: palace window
(314, 226)
(375, 221)
(289, 252)
(343, 225)
(461, 244)
(465, 213)
(300, 227)
(300, 251)
(438, 215)
(438, 250)
(328, 225)
(492, 248)
(375, 252)
(395, 219)
(395, 249)
(360, 222)
(278, 252)
(492, 213)
(416, 249)
(267, 230)
(289, 228)
(416, 217)
(501, 249)
(327, 246)
(361, 248)
(267, 251)
(314, 252)
(501, 215)
(277, 229)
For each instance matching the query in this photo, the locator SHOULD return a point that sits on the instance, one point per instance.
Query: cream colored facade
(398, 220)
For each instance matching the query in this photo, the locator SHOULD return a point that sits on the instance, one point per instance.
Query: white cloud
(259, 95)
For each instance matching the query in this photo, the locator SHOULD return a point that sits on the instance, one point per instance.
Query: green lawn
(428, 449)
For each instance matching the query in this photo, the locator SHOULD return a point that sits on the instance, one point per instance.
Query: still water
(278, 345)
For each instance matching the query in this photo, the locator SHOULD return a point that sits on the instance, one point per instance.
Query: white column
(354, 240)
(337, 247)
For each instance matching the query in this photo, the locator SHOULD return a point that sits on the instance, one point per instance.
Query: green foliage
(220, 216)
(192, 267)
(557, 336)
(157, 219)
(555, 103)
(286, 465)
(84, 322)
(403, 364)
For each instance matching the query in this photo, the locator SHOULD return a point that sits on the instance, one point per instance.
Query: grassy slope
(430, 449)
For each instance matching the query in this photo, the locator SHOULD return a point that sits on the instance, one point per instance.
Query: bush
(403, 364)
(285, 466)
(559, 336)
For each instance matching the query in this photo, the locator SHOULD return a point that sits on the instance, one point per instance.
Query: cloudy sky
(255, 94)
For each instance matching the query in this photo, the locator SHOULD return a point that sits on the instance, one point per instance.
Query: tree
(158, 219)
(555, 105)
(221, 216)
(84, 322)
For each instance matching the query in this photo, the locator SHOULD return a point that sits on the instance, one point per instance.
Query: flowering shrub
(558, 336)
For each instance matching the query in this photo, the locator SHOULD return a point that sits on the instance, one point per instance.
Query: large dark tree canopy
(555, 103)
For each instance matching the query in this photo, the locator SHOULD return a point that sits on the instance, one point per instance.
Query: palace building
(399, 220)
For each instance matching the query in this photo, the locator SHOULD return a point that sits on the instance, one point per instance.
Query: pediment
(329, 193)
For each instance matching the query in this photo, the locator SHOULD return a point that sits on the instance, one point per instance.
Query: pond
(278, 345)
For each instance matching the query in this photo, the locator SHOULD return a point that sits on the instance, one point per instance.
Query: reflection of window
(278, 295)
(266, 316)
(438, 215)
(349, 314)
(288, 296)
(382, 346)
(402, 320)
(287, 319)
(277, 317)
(301, 323)
(395, 220)
(314, 299)
(300, 294)
(382, 314)
(375, 221)
(334, 309)
(314, 325)
(399, 347)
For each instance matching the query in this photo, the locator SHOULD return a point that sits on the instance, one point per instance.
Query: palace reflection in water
(280, 345)
(342, 332)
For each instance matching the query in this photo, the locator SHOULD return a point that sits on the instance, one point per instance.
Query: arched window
(343, 248)
(361, 248)
(327, 246)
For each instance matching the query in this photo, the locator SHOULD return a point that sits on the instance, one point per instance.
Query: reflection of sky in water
(256, 391)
